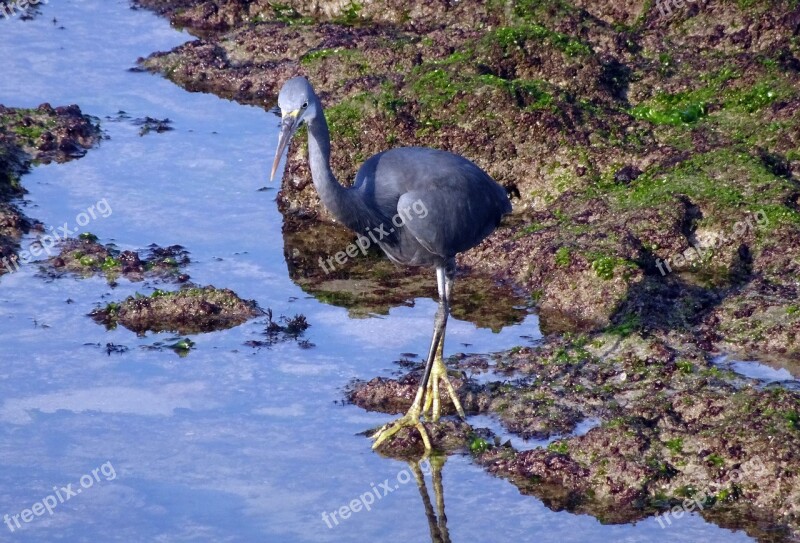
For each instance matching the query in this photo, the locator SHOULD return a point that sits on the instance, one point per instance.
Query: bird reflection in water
(437, 520)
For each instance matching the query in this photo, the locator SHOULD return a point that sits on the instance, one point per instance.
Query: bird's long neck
(336, 198)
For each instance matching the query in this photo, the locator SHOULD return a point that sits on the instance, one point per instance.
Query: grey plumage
(463, 204)
(427, 204)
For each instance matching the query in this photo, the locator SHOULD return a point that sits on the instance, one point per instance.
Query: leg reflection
(437, 520)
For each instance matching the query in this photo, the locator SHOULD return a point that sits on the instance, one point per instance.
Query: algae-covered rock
(34, 135)
(186, 311)
(85, 256)
(632, 138)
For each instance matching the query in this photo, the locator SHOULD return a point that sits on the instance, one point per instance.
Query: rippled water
(229, 443)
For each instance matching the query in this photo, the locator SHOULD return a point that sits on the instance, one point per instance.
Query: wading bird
(462, 205)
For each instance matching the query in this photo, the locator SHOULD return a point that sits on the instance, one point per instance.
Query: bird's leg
(411, 418)
(435, 371)
(432, 400)
(445, 279)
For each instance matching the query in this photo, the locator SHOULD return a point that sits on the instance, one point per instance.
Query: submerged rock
(85, 257)
(366, 283)
(281, 330)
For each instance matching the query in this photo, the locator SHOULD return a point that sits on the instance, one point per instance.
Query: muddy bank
(34, 136)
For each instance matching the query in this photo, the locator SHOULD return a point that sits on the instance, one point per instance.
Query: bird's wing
(452, 219)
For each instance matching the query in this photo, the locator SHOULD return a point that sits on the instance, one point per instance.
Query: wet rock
(446, 435)
(149, 124)
(386, 395)
(186, 311)
(180, 346)
(85, 256)
(673, 426)
(146, 124)
(627, 174)
(521, 408)
(40, 135)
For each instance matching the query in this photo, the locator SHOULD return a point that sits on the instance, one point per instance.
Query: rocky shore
(651, 152)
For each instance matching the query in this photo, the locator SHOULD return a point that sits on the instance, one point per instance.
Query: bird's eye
(305, 105)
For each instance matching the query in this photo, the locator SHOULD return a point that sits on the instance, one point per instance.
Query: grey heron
(462, 206)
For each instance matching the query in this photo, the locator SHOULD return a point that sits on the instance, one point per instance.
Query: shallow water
(764, 374)
(521, 444)
(228, 443)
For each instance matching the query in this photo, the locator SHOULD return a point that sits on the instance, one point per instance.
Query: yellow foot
(409, 420)
(432, 403)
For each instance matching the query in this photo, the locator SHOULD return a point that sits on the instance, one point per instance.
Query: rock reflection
(371, 284)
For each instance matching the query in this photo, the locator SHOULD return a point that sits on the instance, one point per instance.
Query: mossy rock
(186, 311)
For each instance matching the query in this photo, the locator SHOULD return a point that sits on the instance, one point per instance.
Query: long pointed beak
(288, 127)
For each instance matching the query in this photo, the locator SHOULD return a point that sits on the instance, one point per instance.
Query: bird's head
(298, 103)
